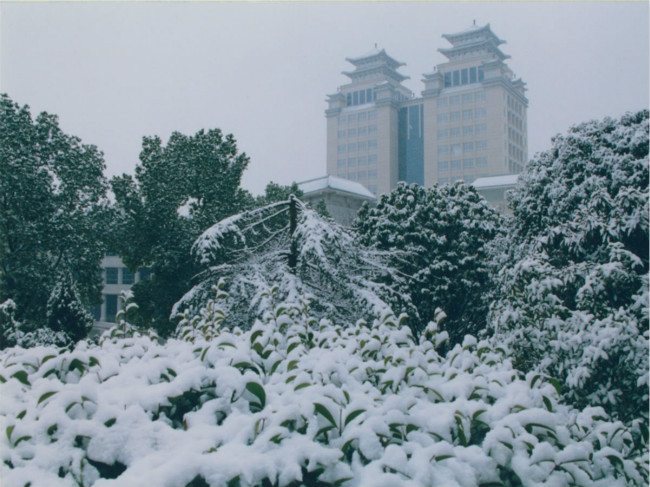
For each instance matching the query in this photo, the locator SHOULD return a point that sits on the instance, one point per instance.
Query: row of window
(361, 175)
(467, 131)
(358, 132)
(516, 137)
(515, 106)
(516, 153)
(464, 76)
(362, 145)
(455, 116)
(360, 97)
(461, 99)
(360, 161)
(458, 164)
(111, 275)
(514, 167)
(515, 120)
(358, 117)
(464, 148)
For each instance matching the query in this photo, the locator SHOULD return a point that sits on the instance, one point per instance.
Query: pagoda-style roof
(473, 34)
(375, 62)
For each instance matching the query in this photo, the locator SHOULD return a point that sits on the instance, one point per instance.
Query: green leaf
(45, 396)
(616, 462)
(110, 422)
(440, 458)
(52, 429)
(547, 403)
(93, 361)
(21, 414)
(46, 358)
(77, 364)
(256, 334)
(353, 415)
(21, 376)
(2, 379)
(556, 384)
(323, 411)
(534, 380)
(10, 429)
(292, 365)
(22, 438)
(292, 346)
(258, 391)
(275, 366)
(246, 365)
(477, 414)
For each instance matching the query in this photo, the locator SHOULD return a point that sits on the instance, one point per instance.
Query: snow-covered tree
(439, 240)
(287, 251)
(574, 298)
(65, 312)
(53, 215)
(179, 190)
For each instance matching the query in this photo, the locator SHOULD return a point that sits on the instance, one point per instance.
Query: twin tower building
(468, 123)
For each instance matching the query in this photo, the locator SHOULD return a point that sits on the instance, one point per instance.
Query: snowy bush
(314, 256)
(574, 301)
(65, 313)
(291, 402)
(439, 240)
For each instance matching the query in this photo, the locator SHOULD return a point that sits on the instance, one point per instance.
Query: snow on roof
(339, 184)
(496, 181)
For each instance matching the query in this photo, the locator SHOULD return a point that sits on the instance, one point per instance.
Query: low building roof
(337, 184)
(506, 180)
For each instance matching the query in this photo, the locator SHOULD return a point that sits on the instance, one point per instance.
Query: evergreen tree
(439, 239)
(66, 313)
(178, 191)
(574, 295)
(53, 213)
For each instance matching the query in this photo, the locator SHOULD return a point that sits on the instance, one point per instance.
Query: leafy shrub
(294, 401)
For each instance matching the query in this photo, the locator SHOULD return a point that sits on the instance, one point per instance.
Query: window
(455, 149)
(352, 132)
(342, 134)
(372, 129)
(443, 165)
(443, 134)
(352, 162)
(355, 98)
(454, 132)
(372, 159)
(361, 131)
(467, 114)
(362, 175)
(442, 102)
(456, 78)
(481, 145)
(480, 96)
(443, 117)
(97, 312)
(352, 118)
(372, 174)
(352, 176)
(480, 74)
(341, 149)
(111, 307)
(372, 144)
(468, 163)
(443, 150)
(349, 99)
(454, 100)
(352, 147)
(468, 131)
(372, 115)
(455, 165)
(468, 147)
(464, 76)
(111, 275)
(362, 97)
(454, 116)
(368, 95)
(481, 112)
(481, 129)
(128, 277)
(343, 119)
(361, 145)
(472, 75)
(341, 163)
(468, 98)
(362, 161)
(362, 117)
(447, 80)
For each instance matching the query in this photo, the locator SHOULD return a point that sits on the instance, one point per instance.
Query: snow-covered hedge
(292, 402)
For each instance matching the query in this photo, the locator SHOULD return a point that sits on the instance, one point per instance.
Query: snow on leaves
(295, 401)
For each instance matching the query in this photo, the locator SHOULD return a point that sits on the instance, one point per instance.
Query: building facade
(469, 122)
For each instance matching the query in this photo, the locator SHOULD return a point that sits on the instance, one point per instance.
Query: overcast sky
(115, 72)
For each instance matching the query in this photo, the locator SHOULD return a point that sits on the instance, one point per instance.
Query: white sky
(114, 72)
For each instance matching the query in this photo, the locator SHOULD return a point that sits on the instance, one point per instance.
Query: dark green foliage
(53, 212)
(179, 190)
(573, 300)
(439, 238)
(65, 312)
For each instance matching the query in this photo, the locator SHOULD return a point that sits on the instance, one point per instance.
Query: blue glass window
(362, 97)
(111, 307)
(447, 80)
(349, 99)
(480, 74)
(355, 98)
(128, 277)
(369, 95)
(111, 275)
(472, 75)
(456, 78)
(464, 78)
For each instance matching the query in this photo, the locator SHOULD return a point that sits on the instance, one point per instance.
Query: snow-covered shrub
(574, 300)
(8, 324)
(259, 250)
(12, 332)
(438, 239)
(65, 313)
(293, 401)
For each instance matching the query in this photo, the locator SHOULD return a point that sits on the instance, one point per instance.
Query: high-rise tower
(470, 121)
